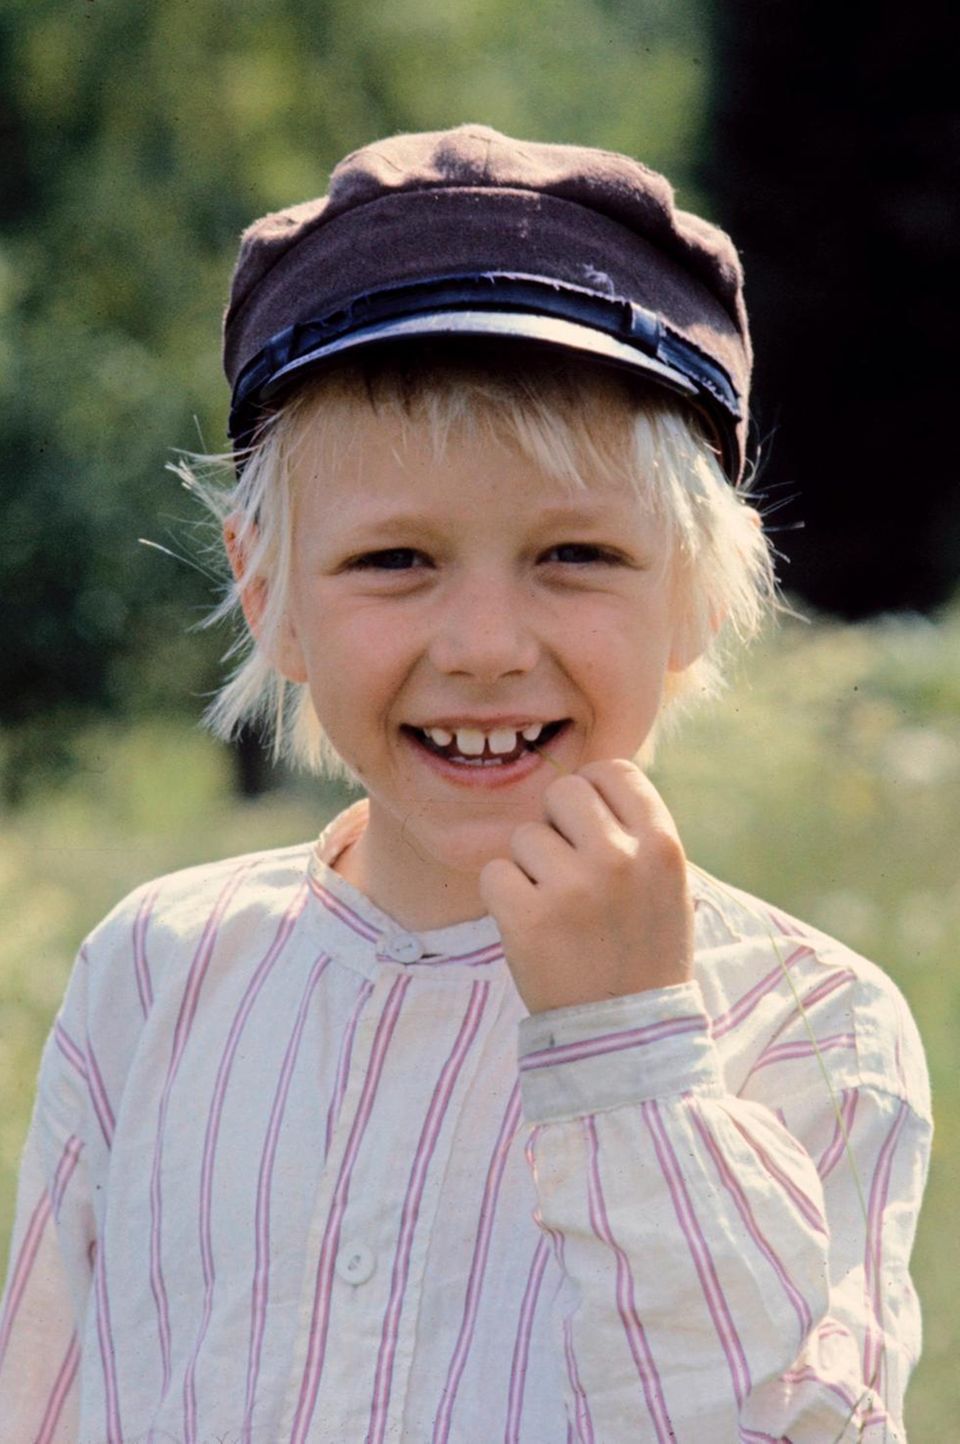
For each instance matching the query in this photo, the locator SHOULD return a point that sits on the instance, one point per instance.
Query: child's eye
(581, 553)
(391, 559)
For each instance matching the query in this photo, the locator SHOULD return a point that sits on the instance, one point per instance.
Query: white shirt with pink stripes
(296, 1174)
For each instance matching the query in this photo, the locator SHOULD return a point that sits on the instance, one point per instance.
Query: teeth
(469, 741)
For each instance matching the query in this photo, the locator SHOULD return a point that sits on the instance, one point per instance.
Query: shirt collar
(360, 926)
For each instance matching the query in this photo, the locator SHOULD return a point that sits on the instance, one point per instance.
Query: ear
(284, 650)
(689, 642)
(692, 635)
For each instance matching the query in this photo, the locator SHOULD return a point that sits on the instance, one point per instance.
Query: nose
(484, 630)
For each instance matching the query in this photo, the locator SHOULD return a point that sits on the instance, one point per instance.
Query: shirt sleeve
(725, 1276)
(51, 1257)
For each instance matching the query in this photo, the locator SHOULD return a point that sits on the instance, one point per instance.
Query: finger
(578, 811)
(504, 888)
(629, 794)
(539, 850)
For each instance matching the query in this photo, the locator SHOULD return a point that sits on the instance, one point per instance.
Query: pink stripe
(107, 1354)
(310, 1384)
(806, 1375)
(212, 1135)
(141, 967)
(343, 1065)
(59, 1393)
(521, 1347)
(489, 954)
(46, 1205)
(830, 1329)
(842, 1130)
(70, 1050)
(823, 989)
(20, 1273)
(85, 1066)
(581, 1407)
(626, 1302)
(612, 1042)
(800, 1306)
(261, 1272)
(478, 1265)
(426, 1144)
(802, 1048)
(703, 1262)
(745, 1005)
(98, 1095)
(790, 927)
(873, 1347)
(803, 1203)
(185, 1017)
(346, 914)
(69, 1159)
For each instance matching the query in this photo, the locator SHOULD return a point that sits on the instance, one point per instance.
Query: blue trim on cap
(467, 304)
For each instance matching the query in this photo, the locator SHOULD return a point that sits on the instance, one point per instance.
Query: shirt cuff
(593, 1056)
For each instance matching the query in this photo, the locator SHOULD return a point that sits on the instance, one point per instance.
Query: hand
(595, 903)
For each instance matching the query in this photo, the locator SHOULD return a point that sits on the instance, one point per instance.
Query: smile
(471, 746)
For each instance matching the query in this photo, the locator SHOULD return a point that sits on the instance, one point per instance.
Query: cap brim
(507, 325)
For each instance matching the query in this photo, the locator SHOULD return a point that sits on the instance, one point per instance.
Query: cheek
(356, 660)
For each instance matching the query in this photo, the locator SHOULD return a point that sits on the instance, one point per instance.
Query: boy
(290, 1177)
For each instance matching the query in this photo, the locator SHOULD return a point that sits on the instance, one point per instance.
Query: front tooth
(469, 741)
(440, 735)
(531, 733)
(504, 739)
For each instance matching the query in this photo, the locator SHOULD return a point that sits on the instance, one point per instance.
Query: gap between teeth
(470, 740)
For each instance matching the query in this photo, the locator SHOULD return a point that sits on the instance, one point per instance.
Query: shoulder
(149, 940)
(181, 904)
(782, 993)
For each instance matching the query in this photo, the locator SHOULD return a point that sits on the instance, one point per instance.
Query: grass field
(828, 780)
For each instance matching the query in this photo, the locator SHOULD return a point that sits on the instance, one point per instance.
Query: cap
(469, 233)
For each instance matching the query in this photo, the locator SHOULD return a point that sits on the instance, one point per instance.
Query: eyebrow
(412, 521)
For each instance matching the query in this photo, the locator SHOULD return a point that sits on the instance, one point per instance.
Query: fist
(593, 902)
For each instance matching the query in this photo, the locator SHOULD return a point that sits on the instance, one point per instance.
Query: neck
(416, 890)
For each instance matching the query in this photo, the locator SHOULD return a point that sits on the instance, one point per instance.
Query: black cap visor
(489, 307)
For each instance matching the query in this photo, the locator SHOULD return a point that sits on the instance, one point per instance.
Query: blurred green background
(137, 139)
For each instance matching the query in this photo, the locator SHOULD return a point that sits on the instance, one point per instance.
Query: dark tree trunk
(253, 771)
(832, 157)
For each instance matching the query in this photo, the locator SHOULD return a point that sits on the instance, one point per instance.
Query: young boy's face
(475, 596)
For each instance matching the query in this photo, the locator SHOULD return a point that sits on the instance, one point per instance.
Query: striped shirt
(296, 1174)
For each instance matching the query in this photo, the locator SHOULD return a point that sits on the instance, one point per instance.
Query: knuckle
(622, 854)
(560, 787)
(667, 850)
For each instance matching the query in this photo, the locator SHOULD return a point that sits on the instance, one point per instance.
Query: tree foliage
(139, 140)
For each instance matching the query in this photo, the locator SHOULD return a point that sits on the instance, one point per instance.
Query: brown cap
(468, 233)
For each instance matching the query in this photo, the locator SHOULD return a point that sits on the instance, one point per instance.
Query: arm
(716, 1290)
(50, 1266)
(712, 1295)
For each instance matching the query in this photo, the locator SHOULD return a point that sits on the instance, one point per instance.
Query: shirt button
(355, 1263)
(404, 948)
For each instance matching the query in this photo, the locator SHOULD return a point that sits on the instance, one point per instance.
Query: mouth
(479, 749)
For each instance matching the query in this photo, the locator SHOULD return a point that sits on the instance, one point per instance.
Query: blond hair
(573, 422)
